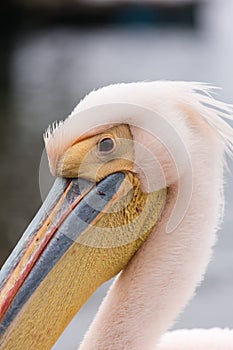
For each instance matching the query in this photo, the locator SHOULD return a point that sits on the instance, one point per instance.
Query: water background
(49, 70)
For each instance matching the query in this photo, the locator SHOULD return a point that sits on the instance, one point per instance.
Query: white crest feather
(153, 95)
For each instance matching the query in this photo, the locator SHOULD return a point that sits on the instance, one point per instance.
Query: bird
(139, 193)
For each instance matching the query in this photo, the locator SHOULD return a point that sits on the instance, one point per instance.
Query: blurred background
(53, 52)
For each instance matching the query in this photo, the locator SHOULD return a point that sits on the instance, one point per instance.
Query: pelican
(138, 192)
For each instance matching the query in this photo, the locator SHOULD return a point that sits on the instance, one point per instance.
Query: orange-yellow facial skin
(83, 159)
(98, 254)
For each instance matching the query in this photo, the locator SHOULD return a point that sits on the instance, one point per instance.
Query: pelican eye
(106, 145)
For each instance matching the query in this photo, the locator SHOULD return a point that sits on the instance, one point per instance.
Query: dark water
(50, 70)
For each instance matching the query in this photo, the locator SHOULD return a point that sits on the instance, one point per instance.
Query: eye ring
(106, 145)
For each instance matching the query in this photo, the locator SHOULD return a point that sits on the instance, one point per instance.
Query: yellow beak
(67, 252)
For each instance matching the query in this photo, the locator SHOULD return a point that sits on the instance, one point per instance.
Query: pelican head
(117, 160)
(94, 220)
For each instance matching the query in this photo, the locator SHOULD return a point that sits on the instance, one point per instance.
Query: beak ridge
(71, 206)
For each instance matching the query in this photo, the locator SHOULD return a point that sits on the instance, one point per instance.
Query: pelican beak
(60, 260)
